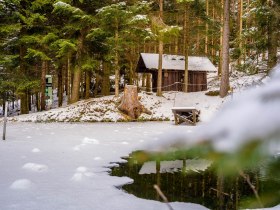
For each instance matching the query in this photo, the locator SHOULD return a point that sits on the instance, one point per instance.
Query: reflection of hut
(173, 71)
(175, 166)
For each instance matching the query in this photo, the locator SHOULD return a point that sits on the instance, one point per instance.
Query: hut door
(171, 81)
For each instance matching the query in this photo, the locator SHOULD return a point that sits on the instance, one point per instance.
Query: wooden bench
(188, 115)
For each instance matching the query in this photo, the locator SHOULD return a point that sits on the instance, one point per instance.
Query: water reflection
(196, 181)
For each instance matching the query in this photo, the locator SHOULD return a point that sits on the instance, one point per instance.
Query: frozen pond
(64, 166)
(186, 179)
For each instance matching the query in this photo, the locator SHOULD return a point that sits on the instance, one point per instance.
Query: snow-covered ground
(105, 109)
(63, 166)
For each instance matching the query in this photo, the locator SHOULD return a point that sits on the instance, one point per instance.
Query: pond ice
(65, 179)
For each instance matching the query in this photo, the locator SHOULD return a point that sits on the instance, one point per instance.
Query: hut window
(165, 74)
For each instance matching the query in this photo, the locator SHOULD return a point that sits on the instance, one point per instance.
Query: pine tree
(77, 26)
(115, 21)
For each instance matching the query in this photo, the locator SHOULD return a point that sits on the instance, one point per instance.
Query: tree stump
(130, 104)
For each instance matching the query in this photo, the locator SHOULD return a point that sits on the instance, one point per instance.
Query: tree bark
(130, 104)
(68, 79)
(160, 53)
(43, 85)
(240, 22)
(206, 28)
(78, 71)
(221, 39)
(96, 85)
(186, 45)
(148, 83)
(23, 103)
(23, 95)
(87, 90)
(117, 68)
(105, 85)
(76, 85)
(159, 80)
(225, 58)
(272, 39)
(131, 75)
(37, 101)
(60, 86)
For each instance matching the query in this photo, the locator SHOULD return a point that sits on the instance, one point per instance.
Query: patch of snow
(35, 167)
(36, 150)
(21, 184)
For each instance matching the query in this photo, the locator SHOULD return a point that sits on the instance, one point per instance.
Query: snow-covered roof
(177, 62)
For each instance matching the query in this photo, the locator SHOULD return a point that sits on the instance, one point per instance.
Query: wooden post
(5, 120)
(194, 116)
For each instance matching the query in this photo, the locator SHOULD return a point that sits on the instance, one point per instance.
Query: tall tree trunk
(206, 28)
(131, 75)
(159, 77)
(272, 38)
(29, 101)
(221, 40)
(37, 101)
(225, 59)
(87, 81)
(105, 85)
(176, 44)
(23, 95)
(148, 83)
(186, 45)
(59, 86)
(160, 53)
(117, 68)
(161, 9)
(76, 84)
(213, 51)
(96, 85)
(24, 103)
(68, 79)
(78, 71)
(198, 38)
(240, 23)
(82, 86)
(43, 85)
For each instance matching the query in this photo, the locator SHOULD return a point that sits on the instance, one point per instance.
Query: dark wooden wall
(169, 79)
(197, 81)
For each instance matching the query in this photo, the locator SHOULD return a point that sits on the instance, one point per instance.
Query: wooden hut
(173, 69)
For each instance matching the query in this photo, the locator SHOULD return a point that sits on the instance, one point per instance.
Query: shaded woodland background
(92, 47)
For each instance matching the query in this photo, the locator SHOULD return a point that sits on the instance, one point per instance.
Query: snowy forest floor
(104, 109)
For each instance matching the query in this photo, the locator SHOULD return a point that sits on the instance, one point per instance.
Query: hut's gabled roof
(175, 62)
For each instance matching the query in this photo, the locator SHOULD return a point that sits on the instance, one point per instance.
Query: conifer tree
(77, 26)
(115, 21)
